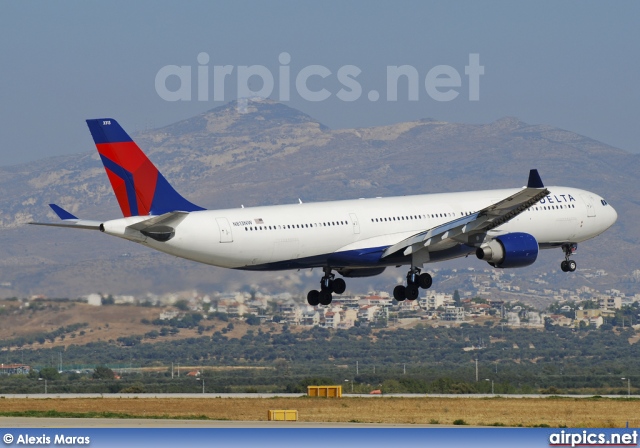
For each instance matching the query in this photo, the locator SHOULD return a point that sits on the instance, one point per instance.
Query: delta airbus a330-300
(355, 238)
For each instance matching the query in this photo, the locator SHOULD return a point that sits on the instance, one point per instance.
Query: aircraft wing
(69, 220)
(160, 228)
(462, 230)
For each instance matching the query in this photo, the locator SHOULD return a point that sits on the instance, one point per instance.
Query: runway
(46, 422)
(298, 395)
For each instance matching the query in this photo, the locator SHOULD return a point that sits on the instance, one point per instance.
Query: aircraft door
(225, 230)
(354, 223)
(591, 211)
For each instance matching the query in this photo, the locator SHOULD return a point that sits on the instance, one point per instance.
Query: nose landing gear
(568, 265)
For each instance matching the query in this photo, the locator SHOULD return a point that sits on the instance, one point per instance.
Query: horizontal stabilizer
(69, 219)
(79, 224)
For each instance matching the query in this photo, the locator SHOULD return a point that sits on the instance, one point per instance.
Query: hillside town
(492, 296)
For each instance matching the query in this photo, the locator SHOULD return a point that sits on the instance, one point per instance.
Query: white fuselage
(310, 234)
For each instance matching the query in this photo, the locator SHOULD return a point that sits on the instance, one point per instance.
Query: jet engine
(512, 250)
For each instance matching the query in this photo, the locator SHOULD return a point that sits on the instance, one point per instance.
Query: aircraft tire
(564, 266)
(412, 292)
(399, 293)
(571, 266)
(313, 297)
(425, 281)
(325, 298)
(339, 286)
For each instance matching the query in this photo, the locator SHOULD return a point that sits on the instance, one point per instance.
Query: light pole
(347, 381)
(45, 384)
(628, 386)
(487, 379)
(202, 379)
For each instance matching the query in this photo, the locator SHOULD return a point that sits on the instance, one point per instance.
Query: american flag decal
(259, 221)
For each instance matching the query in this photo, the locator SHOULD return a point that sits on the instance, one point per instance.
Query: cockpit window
(603, 202)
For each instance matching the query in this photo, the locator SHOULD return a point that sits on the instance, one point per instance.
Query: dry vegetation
(474, 411)
(105, 322)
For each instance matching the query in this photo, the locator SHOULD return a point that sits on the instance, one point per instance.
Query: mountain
(268, 153)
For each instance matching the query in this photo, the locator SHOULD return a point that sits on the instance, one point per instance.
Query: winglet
(534, 180)
(62, 213)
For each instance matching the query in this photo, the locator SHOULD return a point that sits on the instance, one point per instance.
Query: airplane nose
(614, 215)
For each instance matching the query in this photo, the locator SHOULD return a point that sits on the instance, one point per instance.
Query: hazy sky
(571, 64)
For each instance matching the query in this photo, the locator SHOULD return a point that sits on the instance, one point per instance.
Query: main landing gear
(568, 265)
(328, 285)
(415, 281)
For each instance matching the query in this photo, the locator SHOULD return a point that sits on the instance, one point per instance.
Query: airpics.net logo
(314, 82)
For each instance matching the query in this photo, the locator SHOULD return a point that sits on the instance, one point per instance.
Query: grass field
(553, 412)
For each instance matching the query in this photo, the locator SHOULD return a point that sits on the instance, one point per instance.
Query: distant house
(331, 319)
(435, 300)
(293, 315)
(348, 318)
(367, 313)
(374, 300)
(590, 317)
(479, 309)
(14, 369)
(124, 299)
(310, 317)
(610, 303)
(560, 319)
(168, 315)
(236, 309)
(535, 319)
(409, 305)
(94, 299)
(453, 314)
(513, 319)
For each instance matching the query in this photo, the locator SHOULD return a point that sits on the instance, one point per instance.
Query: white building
(368, 313)
(513, 319)
(433, 300)
(169, 314)
(331, 319)
(610, 302)
(310, 317)
(453, 314)
(94, 299)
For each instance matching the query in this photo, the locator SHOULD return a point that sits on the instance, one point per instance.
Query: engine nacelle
(513, 250)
